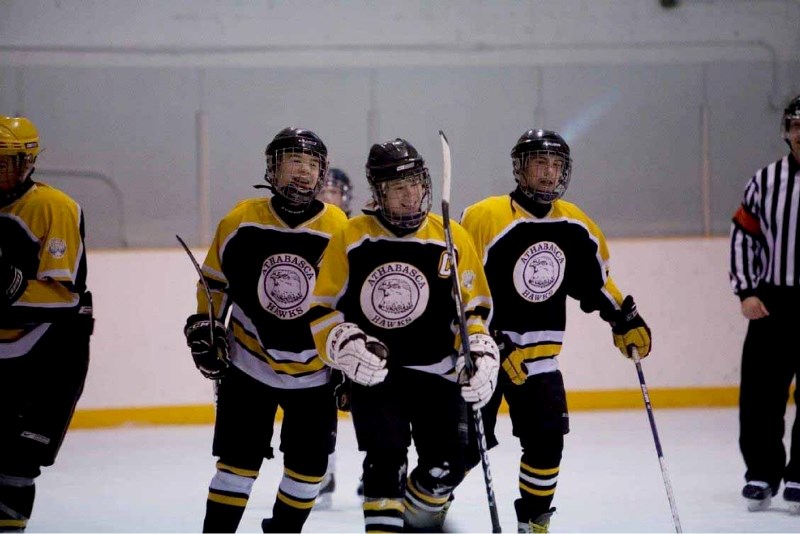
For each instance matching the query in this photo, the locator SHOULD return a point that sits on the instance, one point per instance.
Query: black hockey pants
(770, 360)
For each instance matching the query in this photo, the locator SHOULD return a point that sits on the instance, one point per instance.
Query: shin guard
(228, 494)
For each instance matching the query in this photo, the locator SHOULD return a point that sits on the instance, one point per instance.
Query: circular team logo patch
(56, 247)
(394, 295)
(539, 272)
(285, 285)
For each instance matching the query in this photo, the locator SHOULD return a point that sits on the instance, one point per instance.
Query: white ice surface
(155, 479)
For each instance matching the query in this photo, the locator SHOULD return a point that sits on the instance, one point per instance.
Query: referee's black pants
(770, 361)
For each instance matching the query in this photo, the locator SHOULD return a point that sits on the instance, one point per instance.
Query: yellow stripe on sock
(230, 501)
(301, 505)
(538, 493)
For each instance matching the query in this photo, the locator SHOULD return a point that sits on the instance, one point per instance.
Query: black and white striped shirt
(766, 229)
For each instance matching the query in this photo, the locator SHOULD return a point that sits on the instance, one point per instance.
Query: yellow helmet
(18, 136)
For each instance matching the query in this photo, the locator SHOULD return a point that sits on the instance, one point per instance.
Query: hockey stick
(469, 365)
(661, 461)
(208, 297)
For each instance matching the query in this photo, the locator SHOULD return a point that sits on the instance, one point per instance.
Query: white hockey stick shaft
(462, 324)
(667, 485)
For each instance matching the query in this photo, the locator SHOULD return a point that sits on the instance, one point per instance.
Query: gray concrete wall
(668, 111)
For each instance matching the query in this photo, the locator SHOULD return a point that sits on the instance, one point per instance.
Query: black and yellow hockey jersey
(533, 264)
(398, 289)
(264, 271)
(42, 234)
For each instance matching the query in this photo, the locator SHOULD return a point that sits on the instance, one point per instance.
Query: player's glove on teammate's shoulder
(630, 330)
(360, 357)
(212, 359)
(12, 283)
(478, 388)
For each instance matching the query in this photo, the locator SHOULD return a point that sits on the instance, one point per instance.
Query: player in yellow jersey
(337, 189)
(387, 320)
(45, 320)
(262, 267)
(537, 249)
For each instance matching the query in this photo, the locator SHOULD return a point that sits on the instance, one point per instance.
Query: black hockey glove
(12, 283)
(211, 360)
(630, 330)
(341, 390)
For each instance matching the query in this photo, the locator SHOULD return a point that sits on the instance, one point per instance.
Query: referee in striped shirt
(765, 275)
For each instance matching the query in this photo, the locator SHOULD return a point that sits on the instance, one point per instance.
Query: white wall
(154, 115)
(365, 33)
(142, 298)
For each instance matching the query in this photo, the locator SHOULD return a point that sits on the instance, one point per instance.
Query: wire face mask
(297, 161)
(298, 175)
(405, 202)
(400, 183)
(542, 165)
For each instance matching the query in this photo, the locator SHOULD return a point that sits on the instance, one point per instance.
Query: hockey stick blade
(205, 285)
(469, 365)
(446, 169)
(448, 237)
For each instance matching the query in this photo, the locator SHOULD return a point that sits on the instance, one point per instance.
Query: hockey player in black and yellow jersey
(537, 250)
(337, 189)
(262, 266)
(387, 320)
(45, 320)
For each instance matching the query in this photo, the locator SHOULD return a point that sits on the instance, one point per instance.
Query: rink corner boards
(624, 399)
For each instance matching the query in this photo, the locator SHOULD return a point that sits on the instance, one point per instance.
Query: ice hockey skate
(791, 494)
(542, 523)
(325, 497)
(758, 494)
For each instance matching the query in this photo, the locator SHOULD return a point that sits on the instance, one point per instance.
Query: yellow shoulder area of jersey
(491, 204)
(489, 207)
(437, 219)
(47, 194)
(329, 220)
(250, 203)
(360, 226)
(250, 209)
(435, 227)
(361, 223)
(335, 212)
(569, 210)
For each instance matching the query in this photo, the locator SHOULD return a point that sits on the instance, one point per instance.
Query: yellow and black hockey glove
(511, 360)
(630, 330)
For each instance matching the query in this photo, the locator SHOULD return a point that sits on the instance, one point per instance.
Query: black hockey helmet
(338, 180)
(792, 111)
(291, 141)
(394, 161)
(535, 143)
